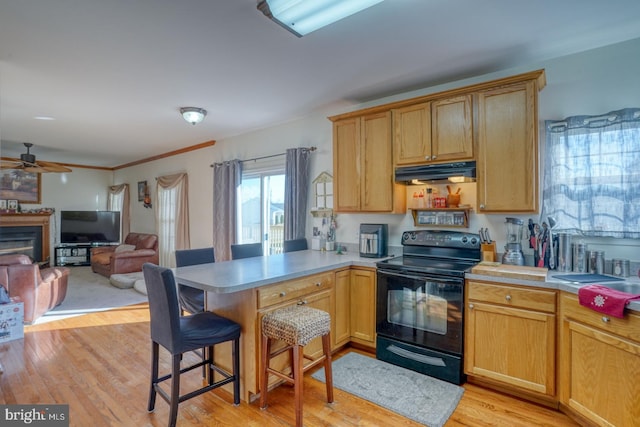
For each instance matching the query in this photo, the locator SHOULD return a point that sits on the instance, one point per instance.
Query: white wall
(592, 82)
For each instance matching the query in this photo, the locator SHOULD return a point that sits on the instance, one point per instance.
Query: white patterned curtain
(296, 189)
(227, 177)
(592, 174)
(172, 217)
(118, 200)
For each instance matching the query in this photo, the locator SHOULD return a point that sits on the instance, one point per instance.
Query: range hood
(434, 174)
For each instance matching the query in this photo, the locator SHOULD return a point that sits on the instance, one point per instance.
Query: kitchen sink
(630, 288)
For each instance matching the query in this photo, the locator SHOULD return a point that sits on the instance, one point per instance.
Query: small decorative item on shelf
(453, 199)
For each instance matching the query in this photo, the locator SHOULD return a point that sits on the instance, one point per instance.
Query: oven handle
(426, 278)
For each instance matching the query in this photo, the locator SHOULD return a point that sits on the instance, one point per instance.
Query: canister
(564, 252)
(596, 262)
(620, 267)
(579, 257)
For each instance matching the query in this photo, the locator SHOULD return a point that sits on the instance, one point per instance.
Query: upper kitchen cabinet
(452, 129)
(363, 165)
(508, 147)
(412, 134)
(433, 132)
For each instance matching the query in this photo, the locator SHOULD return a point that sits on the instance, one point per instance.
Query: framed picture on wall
(16, 184)
(142, 188)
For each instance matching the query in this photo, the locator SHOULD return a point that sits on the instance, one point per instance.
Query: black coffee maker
(373, 240)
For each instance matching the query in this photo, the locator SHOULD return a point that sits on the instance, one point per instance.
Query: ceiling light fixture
(304, 16)
(193, 115)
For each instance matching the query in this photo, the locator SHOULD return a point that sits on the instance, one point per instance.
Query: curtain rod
(265, 157)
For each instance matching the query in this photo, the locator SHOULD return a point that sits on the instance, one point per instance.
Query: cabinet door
(412, 134)
(321, 300)
(342, 288)
(599, 364)
(508, 149)
(514, 346)
(363, 306)
(452, 129)
(603, 372)
(376, 177)
(346, 164)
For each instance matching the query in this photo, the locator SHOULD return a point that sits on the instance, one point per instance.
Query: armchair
(129, 257)
(39, 289)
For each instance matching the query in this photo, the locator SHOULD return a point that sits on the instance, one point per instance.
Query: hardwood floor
(98, 363)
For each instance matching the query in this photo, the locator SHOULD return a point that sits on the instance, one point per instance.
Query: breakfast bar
(246, 289)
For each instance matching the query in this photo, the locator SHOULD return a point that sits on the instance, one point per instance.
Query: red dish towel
(605, 300)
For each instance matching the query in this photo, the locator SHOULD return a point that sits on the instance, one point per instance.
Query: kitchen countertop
(548, 281)
(249, 273)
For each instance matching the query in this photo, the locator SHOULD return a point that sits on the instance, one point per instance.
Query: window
(591, 174)
(261, 206)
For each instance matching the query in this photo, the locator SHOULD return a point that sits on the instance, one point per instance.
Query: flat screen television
(89, 227)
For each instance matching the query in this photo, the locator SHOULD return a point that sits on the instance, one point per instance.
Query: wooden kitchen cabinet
(412, 134)
(452, 129)
(507, 161)
(363, 166)
(342, 284)
(599, 364)
(510, 337)
(433, 132)
(316, 291)
(363, 306)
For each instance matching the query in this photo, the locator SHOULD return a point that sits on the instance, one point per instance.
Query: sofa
(39, 289)
(128, 257)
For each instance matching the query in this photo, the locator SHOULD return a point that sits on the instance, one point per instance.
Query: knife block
(488, 252)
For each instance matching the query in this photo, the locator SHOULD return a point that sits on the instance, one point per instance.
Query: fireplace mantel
(30, 220)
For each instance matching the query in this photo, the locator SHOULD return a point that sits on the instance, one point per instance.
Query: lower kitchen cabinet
(363, 306)
(599, 365)
(510, 338)
(316, 291)
(342, 286)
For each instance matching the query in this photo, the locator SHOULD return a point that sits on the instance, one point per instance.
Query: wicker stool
(296, 326)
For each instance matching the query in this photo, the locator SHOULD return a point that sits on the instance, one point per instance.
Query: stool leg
(328, 373)
(236, 371)
(264, 371)
(175, 389)
(298, 378)
(154, 376)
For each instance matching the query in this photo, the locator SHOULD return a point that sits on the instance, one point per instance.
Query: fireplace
(25, 234)
(22, 240)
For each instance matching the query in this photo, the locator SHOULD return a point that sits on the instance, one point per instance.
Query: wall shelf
(441, 217)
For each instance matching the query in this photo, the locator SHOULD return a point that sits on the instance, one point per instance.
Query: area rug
(419, 397)
(89, 292)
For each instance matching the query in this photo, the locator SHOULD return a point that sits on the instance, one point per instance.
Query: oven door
(420, 309)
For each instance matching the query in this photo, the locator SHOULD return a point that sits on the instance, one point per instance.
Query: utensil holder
(488, 252)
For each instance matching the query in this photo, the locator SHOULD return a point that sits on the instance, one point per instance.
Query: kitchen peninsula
(246, 289)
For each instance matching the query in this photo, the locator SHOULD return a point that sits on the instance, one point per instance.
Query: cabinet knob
(434, 157)
(508, 297)
(470, 306)
(481, 206)
(302, 302)
(318, 283)
(283, 294)
(427, 157)
(605, 319)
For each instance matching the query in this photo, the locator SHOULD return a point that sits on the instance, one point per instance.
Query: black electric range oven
(419, 321)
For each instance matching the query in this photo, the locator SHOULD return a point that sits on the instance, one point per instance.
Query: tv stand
(73, 255)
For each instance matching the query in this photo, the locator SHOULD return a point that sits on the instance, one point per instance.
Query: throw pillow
(125, 248)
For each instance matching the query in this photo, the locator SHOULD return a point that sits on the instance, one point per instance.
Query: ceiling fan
(28, 163)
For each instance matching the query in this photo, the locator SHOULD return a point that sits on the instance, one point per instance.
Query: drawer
(627, 327)
(293, 289)
(512, 296)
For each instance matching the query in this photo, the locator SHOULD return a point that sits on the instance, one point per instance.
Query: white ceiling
(114, 73)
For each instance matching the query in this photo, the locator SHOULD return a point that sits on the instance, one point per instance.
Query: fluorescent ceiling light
(304, 16)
